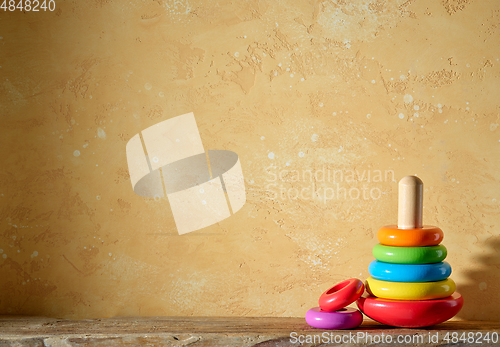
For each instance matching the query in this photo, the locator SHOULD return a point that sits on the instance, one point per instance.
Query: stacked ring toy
(331, 313)
(409, 282)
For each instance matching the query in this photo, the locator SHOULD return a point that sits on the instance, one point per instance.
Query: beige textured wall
(354, 88)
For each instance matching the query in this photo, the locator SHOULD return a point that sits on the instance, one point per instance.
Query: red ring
(341, 295)
(411, 314)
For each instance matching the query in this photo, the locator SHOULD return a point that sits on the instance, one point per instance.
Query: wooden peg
(411, 194)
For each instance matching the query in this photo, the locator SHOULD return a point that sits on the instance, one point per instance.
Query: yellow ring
(410, 291)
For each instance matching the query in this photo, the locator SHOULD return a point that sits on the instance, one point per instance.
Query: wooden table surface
(231, 331)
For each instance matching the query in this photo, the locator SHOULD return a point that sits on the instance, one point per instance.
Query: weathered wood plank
(223, 331)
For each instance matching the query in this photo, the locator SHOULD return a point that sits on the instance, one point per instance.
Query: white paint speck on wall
(408, 98)
(271, 155)
(101, 133)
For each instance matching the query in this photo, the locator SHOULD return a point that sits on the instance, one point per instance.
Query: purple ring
(346, 318)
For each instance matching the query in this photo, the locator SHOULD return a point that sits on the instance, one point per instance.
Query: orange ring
(428, 235)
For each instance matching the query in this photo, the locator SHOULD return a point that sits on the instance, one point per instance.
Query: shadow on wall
(481, 291)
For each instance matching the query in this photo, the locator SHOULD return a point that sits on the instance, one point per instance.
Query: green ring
(410, 255)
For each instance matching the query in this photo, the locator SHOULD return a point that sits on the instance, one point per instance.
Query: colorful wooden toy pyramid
(409, 282)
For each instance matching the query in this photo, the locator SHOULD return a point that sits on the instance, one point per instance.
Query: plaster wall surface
(327, 103)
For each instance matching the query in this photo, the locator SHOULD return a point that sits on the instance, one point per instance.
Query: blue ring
(409, 272)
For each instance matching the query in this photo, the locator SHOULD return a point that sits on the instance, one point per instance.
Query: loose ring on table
(346, 318)
(341, 295)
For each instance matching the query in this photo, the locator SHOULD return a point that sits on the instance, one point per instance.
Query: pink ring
(346, 318)
(341, 295)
